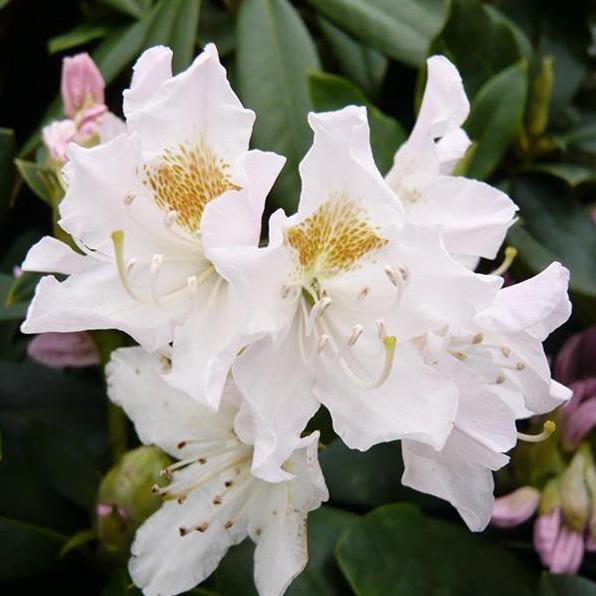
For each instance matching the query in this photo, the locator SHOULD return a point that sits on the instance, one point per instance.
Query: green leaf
(496, 118)
(133, 8)
(162, 23)
(556, 227)
(401, 29)
(217, 26)
(22, 288)
(26, 548)
(321, 576)
(43, 182)
(572, 174)
(330, 92)
(364, 66)
(275, 51)
(366, 479)
(7, 171)
(10, 311)
(566, 585)
(396, 550)
(480, 43)
(184, 34)
(80, 35)
(4, 3)
(581, 137)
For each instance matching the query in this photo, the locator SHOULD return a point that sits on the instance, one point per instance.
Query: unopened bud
(575, 500)
(516, 507)
(540, 97)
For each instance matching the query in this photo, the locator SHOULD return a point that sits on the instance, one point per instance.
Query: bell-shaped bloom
(343, 286)
(146, 210)
(212, 500)
(82, 85)
(501, 374)
(516, 507)
(473, 216)
(59, 350)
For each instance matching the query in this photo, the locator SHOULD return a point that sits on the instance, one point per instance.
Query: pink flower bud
(82, 84)
(580, 417)
(577, 358)
(89, 120)
(59, 350)
(568, 552)
(546, 532)
(516, 507)
(56, 137)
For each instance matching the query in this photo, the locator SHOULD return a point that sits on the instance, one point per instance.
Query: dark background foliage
(529, 70)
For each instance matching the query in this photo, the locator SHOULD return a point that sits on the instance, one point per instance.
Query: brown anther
(520, 366)
(228, 483)
(258, 532)
(274, 512)
(202, 527)
(477, 339)
(202, 460)
(500, 379)
(505, 351)
(181, 499)
(181, 444)
(183, 531)
(363, 292)
(459, 355)
(155, 489)
(217, 500)
(228, 524)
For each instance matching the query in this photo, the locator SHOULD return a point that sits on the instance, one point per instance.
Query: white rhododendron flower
(502, 374)
(212, 501)
(472, 216)
(343, 286)
(147, 209)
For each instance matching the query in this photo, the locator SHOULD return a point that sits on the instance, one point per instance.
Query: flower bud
(577, 357)
(580, 417)
(568, 552)
(546, 532)
(125, 499)
(516, 507)
(59, 350)
(82, 84)
(541, 92)
(575, 500)
(56, 137)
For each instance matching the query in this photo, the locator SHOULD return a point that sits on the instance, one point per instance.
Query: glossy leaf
(480, 43)
(566, 585)
(401, 29)
(364, 66)
(7, 171)
(396, 550)
(275, 51)
(184, 34)
(43, 182)
(80, 35)
(496, 119)
(330, 92)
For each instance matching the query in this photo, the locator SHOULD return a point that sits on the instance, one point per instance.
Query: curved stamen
(156, 263)
(548, 429)
(118, 242)
(510, 254)
(357, 331)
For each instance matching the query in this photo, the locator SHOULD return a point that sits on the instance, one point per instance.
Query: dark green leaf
(496, 118)
(566, 585)
(402, 29)
(573, 174)
(7, 171)
(9, 310)
(184, 34)
(133, 8)
(557, 227)
(582, 137)
(162, 23)
(330, 92)
(363, 480)
(80, 35)
(480, 44)
(275, 51)
(217, 26)
(26, 549)
(364, 66)
(397, 551)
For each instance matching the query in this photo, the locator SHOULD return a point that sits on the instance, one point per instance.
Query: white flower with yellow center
(342, 287)
(473, 216)
(212, 501)
(502, 374)
(146, 209)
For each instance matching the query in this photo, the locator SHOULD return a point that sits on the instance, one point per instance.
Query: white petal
(234, 219)
(538, 305)
(110, 127)
(472, 216)
(206, 345)
(414, 402)
(451, 148)
(281, 552)
(51, 255)
(196, 104)
(151, 70)
(162, 415)
(460, 473)
(340, 162)
(163, 562)
(277, 389)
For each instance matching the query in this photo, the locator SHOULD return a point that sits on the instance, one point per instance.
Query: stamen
(363, 293)
(381, 329)
(548, 429)
(389, 344)
(357, 331)
(321, 342)
(285, 291)
(510, 254)
(505, 351)
(129, 197)
(393, 275)
(477, 339)
(156, 263)
(171, 218)
(404, 271)
(500, 379)
(130, 264)
(118, 242)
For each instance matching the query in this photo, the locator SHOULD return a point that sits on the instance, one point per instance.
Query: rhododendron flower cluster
(364, 301)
